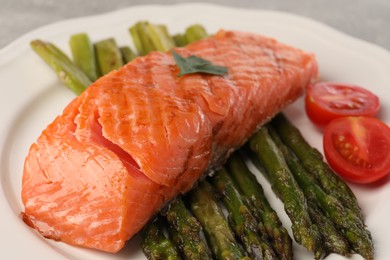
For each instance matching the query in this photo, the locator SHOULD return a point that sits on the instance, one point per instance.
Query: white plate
(31, 96)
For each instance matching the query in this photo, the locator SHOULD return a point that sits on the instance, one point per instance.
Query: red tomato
(358, 148)
(326, 101)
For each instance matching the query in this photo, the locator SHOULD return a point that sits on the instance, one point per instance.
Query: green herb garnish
(194, 64)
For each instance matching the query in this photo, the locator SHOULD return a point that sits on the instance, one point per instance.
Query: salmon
(141, 135)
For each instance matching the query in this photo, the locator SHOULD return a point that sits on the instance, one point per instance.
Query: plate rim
(329, 29)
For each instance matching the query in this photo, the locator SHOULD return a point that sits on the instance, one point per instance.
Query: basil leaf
(194, 64)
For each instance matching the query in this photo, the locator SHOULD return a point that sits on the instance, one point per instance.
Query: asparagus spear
(185, 231)
(266, 216)
(127, 54)
(83, 54)
(350, 225)
(195, 33)
(241, 219)
(140, 37)
(154, 243)
(108, 56)
(159, 37)
(334, 241)
(180, 39)
(66, 70)
(285, 186)
(220, 237)
(313, 161)
(149, 37)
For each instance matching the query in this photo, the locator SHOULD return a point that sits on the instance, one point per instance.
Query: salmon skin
(139, 136)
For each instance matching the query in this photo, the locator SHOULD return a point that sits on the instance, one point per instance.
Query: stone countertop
(368, 20)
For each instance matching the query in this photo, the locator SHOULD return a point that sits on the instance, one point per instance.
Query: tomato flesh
(326, 101)
(358, 148)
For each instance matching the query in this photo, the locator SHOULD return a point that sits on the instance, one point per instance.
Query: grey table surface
(368, 20)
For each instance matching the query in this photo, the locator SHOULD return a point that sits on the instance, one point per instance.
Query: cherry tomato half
(358, 148)
(326, 101)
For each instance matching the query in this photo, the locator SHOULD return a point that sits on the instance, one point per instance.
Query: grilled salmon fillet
(139, 136)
